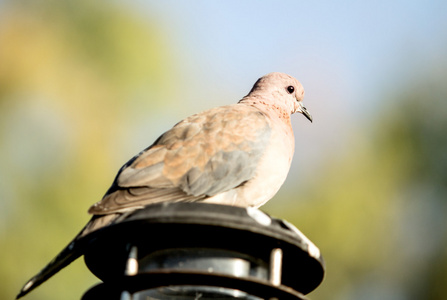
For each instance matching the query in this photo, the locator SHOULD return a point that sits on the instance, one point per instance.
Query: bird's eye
(290, 89)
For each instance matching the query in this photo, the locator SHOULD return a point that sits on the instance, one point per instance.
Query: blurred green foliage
(68, 70)
(67, 73)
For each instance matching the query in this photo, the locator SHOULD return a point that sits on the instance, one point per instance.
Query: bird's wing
(202, 156)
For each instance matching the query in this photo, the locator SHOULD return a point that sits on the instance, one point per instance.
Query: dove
(238, 154)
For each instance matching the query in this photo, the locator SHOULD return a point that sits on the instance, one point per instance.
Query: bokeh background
(85, 85)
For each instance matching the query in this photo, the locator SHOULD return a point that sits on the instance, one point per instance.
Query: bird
(238, 155)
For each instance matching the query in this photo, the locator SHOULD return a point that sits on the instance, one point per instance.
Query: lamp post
(201, 251)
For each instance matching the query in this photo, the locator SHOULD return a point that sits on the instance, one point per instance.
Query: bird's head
(282, 90)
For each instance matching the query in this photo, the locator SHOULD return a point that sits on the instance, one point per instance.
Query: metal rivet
(276, 266)
(132, 262)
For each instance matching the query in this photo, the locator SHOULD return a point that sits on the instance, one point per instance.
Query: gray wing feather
(224, 170)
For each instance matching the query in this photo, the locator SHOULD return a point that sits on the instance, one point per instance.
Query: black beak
(306, 113)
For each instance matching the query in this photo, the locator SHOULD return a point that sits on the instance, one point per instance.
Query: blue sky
(355, 39)
(344, 51)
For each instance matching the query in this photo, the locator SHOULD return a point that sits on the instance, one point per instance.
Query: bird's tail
(71, 252)
(63, 259)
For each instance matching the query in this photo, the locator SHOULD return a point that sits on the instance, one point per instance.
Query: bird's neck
(270, 109)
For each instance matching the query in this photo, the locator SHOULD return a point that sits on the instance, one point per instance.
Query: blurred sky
(353, 43)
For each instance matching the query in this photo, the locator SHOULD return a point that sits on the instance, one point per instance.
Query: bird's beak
(304, 111)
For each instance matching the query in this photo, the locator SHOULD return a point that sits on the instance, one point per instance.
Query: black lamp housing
(201, 251)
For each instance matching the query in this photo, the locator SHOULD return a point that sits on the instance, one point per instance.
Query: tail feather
(70, 253)
(63, 259)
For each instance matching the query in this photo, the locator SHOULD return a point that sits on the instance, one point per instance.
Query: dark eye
(290, 89)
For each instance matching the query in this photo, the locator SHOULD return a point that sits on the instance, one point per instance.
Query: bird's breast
(272, 169)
